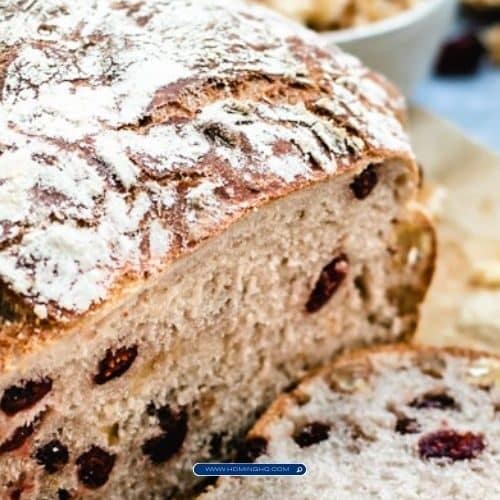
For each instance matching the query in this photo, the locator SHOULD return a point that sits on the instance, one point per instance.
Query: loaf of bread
(196, 204)
(392, 423)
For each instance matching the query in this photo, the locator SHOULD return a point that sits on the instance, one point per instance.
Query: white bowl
(402, 47)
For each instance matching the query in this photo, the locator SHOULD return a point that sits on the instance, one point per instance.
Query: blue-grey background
(472, 103)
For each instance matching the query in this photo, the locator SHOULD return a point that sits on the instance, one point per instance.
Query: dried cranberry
(21, 397)
(17, 439)
(151, 409)
(251, 449)
(63, 494)
(115, 364)
(451, 444)
(94, 467)
(437, 401)
(364, 183)
(312, 433)
(53, 456)
(216, 443)
(329, 281)
(174, 424)
(172, 421)
(405, 425)
(460, 56)
(162, 448)
(15, 494)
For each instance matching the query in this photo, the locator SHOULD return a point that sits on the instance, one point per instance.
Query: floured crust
(130, 132)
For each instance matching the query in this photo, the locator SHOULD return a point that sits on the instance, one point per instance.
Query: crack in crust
(133, 131)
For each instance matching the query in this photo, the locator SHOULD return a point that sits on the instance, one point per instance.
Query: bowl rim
(400, 21)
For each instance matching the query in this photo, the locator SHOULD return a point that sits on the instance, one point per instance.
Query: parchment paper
(459, 311)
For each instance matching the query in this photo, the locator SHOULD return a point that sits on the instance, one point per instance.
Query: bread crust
(94, 206)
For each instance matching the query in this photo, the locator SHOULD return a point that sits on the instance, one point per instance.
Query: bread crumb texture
(132, 131)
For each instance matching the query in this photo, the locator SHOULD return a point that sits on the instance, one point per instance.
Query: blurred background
(443, 54)
(464, 85)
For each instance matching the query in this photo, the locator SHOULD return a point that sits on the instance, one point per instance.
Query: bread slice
(197, 203)
(394, 422)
